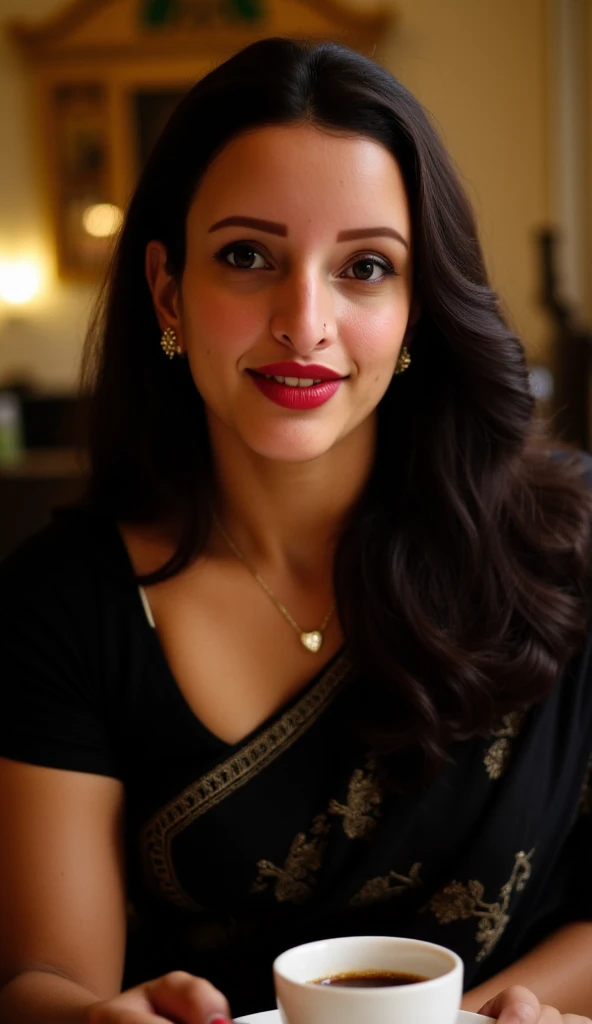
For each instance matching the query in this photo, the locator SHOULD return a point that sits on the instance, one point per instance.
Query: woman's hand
(178, 996)
(518, 1005)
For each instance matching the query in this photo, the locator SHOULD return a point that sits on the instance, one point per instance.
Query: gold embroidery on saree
(498, 755)
(364, 799)
(459, 902)
(158, 834)
(378, 890)
(294, 882)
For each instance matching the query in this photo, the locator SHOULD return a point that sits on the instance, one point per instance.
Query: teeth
(295, 382)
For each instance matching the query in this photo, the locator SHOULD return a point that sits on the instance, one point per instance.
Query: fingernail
(217, 1018)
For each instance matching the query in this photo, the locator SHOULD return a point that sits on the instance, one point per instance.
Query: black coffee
(370, 979)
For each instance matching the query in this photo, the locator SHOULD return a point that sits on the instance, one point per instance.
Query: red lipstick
(311, 370)
(293, 396)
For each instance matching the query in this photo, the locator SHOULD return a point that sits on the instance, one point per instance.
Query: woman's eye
(244, 256)
(364, 268)
(241, 257)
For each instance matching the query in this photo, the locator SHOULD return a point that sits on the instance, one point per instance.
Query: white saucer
(273, 1017)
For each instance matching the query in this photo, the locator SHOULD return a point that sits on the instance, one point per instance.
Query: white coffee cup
(433, 1001)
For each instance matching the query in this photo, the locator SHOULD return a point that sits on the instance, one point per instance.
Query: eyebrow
(280, 229)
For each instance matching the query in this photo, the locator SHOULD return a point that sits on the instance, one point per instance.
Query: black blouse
(238, 852)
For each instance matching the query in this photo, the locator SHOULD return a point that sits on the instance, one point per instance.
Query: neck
(287, 517)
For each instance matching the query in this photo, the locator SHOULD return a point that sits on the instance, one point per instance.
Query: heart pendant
(312, 641)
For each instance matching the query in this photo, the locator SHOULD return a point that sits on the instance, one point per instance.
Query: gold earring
(404, 360)
(169, 343)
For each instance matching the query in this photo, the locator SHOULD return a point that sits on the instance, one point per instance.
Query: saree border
(235, 771)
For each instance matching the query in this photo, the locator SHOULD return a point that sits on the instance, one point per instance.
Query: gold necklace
(313, 641)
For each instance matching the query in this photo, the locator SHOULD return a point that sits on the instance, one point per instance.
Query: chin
(289, 450)
(290, 457)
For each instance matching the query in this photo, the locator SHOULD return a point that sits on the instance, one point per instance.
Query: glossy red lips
(310, 371)
(296, 397)
(293, 396)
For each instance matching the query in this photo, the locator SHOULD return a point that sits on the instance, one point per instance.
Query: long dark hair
(462, 574)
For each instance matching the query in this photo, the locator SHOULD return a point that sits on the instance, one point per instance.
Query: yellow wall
(480, 66)
(42, 339)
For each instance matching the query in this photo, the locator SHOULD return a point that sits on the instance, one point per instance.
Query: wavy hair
(462, 574)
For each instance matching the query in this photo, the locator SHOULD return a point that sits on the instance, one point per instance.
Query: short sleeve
(55, 706)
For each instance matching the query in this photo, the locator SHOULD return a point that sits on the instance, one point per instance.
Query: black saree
(235, 853)
(292, 835)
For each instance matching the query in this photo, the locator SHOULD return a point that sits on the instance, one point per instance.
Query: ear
(164, 290)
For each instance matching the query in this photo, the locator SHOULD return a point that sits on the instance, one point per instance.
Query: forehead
(303, 175)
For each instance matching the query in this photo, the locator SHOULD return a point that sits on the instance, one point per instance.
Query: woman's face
(299, 267)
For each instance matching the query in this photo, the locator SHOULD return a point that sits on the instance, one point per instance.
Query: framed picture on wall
(87, 218)
(107, 75)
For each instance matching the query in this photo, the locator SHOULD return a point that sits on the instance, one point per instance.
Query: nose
(303, 315)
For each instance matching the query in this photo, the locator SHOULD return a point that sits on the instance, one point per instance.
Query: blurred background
(86, 85)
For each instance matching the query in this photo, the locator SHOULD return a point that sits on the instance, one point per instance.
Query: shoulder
(73, 577)
(76, 546)
(63, 597)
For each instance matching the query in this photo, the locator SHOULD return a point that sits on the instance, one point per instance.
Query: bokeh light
(20, 281)
(102, 220)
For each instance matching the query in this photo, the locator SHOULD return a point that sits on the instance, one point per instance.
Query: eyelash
(384, 265)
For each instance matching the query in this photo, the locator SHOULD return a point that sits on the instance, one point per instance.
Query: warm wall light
(20, 281)
(102, 220)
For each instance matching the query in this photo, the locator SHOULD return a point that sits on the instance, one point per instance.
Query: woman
(350, 694)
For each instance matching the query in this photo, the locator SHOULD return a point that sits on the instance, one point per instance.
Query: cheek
(376, 337)
(212, 320)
